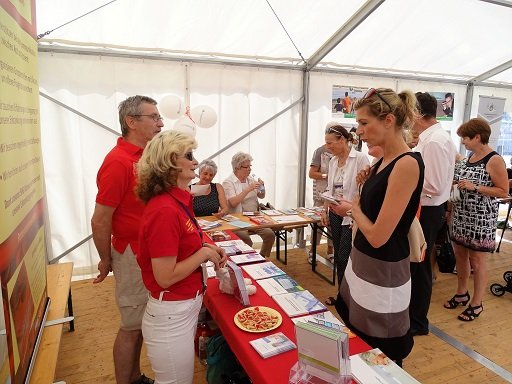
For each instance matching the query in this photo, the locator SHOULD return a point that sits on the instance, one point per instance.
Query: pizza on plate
(258, 319)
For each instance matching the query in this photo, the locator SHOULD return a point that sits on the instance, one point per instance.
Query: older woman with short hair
(481, 178)
(171, 251)
(212, 201)
(242, 193)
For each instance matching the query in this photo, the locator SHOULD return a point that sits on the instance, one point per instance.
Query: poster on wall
(22, 242)
(343, 99)
(491, 109)
(445, 105)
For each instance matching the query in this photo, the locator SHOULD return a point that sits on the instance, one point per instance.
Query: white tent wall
(73, 147)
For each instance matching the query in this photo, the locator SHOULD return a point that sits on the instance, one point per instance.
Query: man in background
(439, 153)
(318, 172)
(115, 230)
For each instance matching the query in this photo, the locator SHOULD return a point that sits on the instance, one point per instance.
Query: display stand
(299, 374)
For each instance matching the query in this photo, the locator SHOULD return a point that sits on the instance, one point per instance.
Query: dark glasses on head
(373, 91)
(189, 156)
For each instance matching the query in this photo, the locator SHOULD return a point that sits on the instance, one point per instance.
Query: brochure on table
(237, 281)
(299, 303)
(271, 212)
(323, 352)
(289, 219)
(272, 345)
(279, 285)
(207, 225)
(326, 319)
(235, 247)
(375, 367)
(246, 258)
(262, 270)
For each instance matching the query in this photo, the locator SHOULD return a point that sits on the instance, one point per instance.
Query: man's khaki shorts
(131, 294)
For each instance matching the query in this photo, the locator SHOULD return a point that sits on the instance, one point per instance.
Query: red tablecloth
(275, 369)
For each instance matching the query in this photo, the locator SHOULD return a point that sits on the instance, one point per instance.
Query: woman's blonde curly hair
(156, 170)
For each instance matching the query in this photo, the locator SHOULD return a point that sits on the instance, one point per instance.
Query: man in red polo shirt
(115, 230)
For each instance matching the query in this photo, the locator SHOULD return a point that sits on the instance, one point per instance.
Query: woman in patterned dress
(213, 201)
(481, 178)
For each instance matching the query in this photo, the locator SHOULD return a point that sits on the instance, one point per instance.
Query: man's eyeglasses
(373, 91)
(154, 116)
(189, 156)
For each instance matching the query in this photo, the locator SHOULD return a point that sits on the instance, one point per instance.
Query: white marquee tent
(266, 67)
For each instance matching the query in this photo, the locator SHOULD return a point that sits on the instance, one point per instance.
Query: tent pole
(303, 150)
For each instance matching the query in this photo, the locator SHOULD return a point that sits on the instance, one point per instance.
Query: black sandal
(454, 303)
(470, 313)
(330, 301)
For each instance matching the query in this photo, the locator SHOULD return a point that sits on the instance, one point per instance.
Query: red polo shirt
(116, 183)
(167, 230)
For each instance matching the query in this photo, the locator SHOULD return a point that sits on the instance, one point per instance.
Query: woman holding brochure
(209, 198)
(375, 293)
(171, 252)
(341, 187)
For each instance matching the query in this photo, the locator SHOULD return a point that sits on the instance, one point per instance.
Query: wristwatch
(324, 175)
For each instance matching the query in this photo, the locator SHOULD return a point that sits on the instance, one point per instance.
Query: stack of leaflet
(246, 258)
(234, 221)
(272, 345)
(262, 270)
(278, 285)
(234, 247)
(299, 303)
(375, 367)
(323, 352)
(206, 225)
(326, 319)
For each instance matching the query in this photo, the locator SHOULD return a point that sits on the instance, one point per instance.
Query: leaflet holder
(299, 375)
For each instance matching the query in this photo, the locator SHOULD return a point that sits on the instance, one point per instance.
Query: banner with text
(22, 243)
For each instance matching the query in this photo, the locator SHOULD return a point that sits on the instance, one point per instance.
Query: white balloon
(185, 125)
(171, 107)
(204, 116)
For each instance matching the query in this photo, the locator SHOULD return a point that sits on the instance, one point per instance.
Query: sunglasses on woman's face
(189, 156)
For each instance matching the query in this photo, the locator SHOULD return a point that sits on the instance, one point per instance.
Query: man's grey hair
(209, 165)
(238, 159)
(131, 107)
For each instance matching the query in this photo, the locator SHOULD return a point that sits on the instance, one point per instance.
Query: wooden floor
(86, 355)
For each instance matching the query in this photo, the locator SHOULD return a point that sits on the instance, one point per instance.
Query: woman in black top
(209, 198)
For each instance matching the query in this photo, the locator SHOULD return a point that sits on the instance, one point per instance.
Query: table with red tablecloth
(275, 369)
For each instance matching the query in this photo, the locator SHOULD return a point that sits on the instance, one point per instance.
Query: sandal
(454, 303)
(469, 313)
(331, 258)
(330, 301)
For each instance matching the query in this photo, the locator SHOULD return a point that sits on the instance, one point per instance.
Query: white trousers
(169, 329)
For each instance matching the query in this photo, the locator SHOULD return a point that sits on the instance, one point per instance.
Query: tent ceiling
(456, 40)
